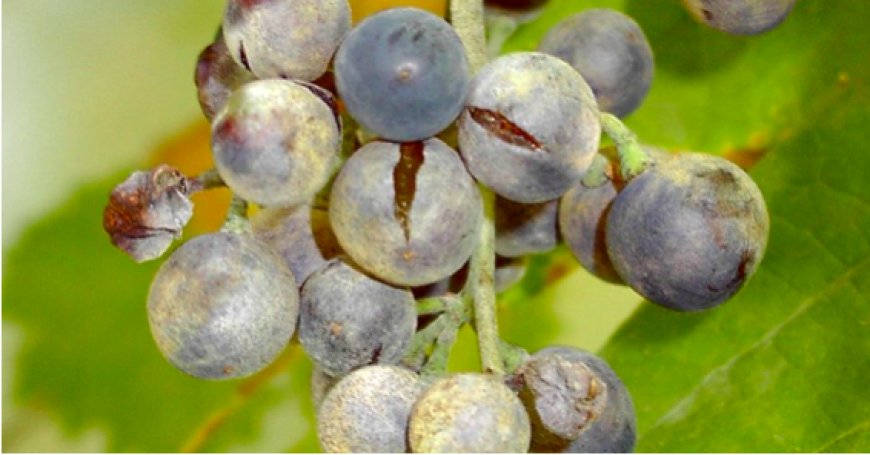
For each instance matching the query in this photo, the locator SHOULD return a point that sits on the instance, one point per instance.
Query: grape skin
(222, 306)
(610, 51)
(403, 74)
(441, 223)
(368, 411)
(576, 402)
(291, 39)
(530, 129)
(469, 413)
(689, 232)
(301, 235)
(740, 17)
(348, 319)
(275, 143)
(522, 229)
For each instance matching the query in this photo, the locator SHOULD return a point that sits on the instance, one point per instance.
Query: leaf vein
(722, 369)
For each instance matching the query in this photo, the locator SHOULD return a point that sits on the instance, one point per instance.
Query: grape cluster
(376, 161)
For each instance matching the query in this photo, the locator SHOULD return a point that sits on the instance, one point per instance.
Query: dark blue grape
(402, 74)
(687, 233)
(610, 51)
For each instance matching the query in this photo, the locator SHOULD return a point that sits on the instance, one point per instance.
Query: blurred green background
(93, 89)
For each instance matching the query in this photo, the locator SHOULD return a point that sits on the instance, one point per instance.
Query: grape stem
(467, 18)
(206, 181)
(632, 159)
(237, 216)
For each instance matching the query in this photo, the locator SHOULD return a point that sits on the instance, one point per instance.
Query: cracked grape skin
(740, 17)
(301, 235)
(403, 74)
(222, 306)
(348, 319)
(530, 128)
(276, 142)
(576, 403)
(469, 412)
(689, 232)
(610, 51)
(290, 39)
(368, 411)
(442, 218)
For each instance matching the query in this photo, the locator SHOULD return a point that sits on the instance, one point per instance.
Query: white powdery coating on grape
(222, 306)
(443, 220)
(740, 17)
(551, 103)
(275, 143)
(285, 38)
(469, 413)
(348, 319)
(368, 411)
(301, 235)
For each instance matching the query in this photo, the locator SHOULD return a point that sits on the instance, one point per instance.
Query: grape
(348, 319)
(689, 232)
(611, 52)
(522, 229)
(216, 76)
(408, 214)
(530, 128)
(582, 219)
(222, 306)
(403, 74)
(301, 235)
(576, 403)
(468, 413)
(276, 142)
(740, 17)
(368, 411)
(291, 39)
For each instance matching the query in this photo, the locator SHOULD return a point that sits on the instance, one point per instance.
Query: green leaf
(784, 365)
(89, 359)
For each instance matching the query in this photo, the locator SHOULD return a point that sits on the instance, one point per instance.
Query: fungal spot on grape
(499, 126)
(707, 14)
(228, 369)
(395, 36)
(405, 184)
(335, 328)
(243, 57)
